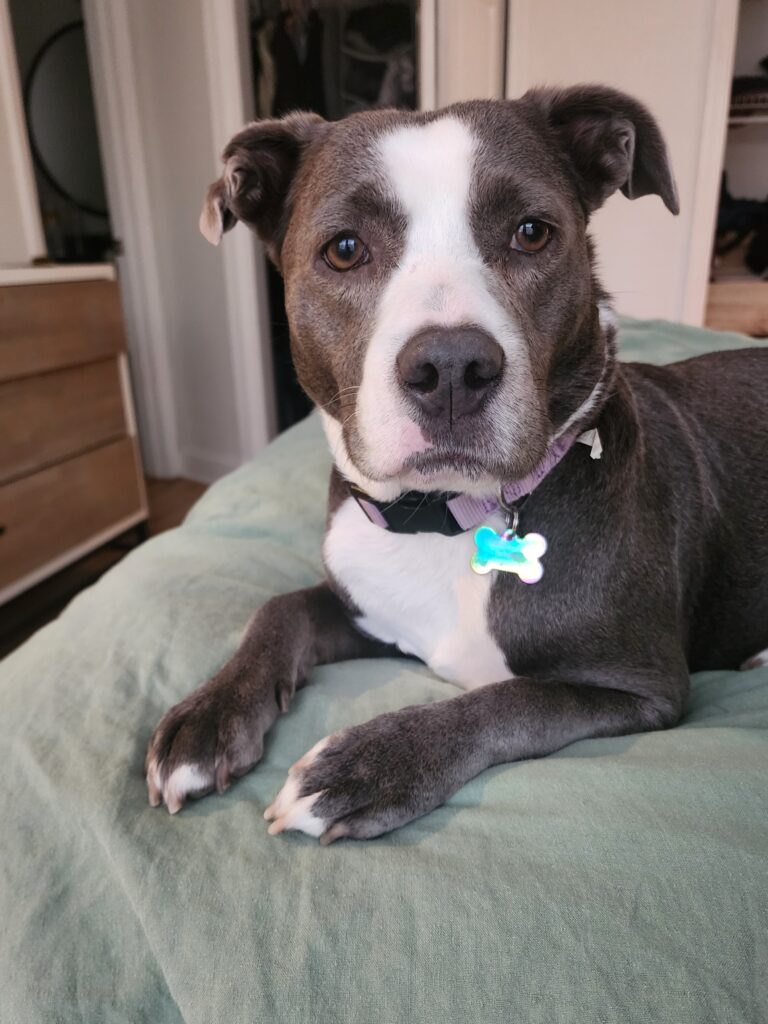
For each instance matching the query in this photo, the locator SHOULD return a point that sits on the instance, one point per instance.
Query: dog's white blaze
(419, 592)
(441, 281)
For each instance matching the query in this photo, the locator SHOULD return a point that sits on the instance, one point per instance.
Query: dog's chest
(417, 591)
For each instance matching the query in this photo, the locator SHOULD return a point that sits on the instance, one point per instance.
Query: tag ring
(511, 512)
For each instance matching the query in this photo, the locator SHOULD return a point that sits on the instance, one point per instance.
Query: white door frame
(470, 50)
(123, 157)
(30, 242)
(226, 64)
(231, 90)
(714, 131)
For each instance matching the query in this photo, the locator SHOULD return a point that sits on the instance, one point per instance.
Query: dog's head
(438, 276)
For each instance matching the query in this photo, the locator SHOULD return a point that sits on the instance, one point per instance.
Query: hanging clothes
(297, 52)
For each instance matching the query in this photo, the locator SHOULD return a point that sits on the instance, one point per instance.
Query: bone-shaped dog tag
(509, 553)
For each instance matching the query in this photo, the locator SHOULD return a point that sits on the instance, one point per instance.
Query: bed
(619, 880)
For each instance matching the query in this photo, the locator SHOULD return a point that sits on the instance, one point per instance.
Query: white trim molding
(206, 466)
(56, 273)
(123, 154)
(518, 77)
(427, 44)
(230, 89)
(471, 50)
(712, 139)
(18, 144)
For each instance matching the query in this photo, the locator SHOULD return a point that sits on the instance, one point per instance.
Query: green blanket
(621, 880)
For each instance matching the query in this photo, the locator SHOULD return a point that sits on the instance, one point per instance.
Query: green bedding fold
(620, 880)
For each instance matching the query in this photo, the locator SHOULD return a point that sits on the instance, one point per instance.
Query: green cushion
(619, 880)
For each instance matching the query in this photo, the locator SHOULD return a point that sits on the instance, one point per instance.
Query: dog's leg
(374, 777)
(216, 733)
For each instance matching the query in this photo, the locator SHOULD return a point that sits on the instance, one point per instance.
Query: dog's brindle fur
(658, 554)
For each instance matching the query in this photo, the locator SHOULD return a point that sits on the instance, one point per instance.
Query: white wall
(21, 236)
(470, 50)
(676, 56)
(177, 131)
(169, 88)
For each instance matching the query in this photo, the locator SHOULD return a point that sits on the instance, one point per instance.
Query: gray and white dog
(446, 319)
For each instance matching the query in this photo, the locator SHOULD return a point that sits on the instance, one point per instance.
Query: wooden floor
(169, 502)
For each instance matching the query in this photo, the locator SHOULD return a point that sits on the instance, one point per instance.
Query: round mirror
(62, 121)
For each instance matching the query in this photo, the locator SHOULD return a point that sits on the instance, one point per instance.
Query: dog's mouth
(434, 461)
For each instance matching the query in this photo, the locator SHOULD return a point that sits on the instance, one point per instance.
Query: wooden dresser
(70, 469)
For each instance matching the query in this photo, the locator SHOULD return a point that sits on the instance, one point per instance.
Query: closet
(334, 57)
(738, 291)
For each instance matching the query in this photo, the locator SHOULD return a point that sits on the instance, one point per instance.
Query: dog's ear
(612, 140)
(260, 164)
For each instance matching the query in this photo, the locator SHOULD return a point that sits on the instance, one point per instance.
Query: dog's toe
(154, 787)
(188, 780)
(185, 781)
(203, 744)
(289, 811)
(292, 811)
(757, 661)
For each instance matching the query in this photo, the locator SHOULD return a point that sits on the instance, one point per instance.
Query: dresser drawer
(49, 326)
(54, 416)
(81, 501)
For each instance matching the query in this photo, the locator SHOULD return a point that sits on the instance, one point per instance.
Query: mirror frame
(38, 158)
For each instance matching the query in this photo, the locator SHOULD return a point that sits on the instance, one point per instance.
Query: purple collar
(451, 514)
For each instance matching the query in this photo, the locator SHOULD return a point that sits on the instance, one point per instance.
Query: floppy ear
(260, 164)
(612, 141)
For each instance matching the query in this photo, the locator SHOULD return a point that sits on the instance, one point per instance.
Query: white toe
(154, 788)
(757, 661)
(289, 811)
(292, 812)
(185, 781)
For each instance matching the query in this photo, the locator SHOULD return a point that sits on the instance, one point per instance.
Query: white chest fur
(419, 592)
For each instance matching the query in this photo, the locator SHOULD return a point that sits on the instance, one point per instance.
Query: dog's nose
(449, 371)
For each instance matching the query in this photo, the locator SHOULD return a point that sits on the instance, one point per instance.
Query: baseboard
(205, 466)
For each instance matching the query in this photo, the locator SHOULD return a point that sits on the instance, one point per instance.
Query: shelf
(371, 58)
(376, 58)
(747, 119)
(50, 273)
(358, 102)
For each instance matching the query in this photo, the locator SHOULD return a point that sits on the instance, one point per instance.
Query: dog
(447, 322)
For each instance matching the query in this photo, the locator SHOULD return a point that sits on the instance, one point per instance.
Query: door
(173, 81)
(677, 58)
(338, 57)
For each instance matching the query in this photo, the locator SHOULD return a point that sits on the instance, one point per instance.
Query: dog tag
(509, 553)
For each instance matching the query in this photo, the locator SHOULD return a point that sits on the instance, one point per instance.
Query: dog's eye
(531, 236)
(345, 252)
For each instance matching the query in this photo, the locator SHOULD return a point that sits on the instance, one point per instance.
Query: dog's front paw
(213, 736)
(372, 778)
